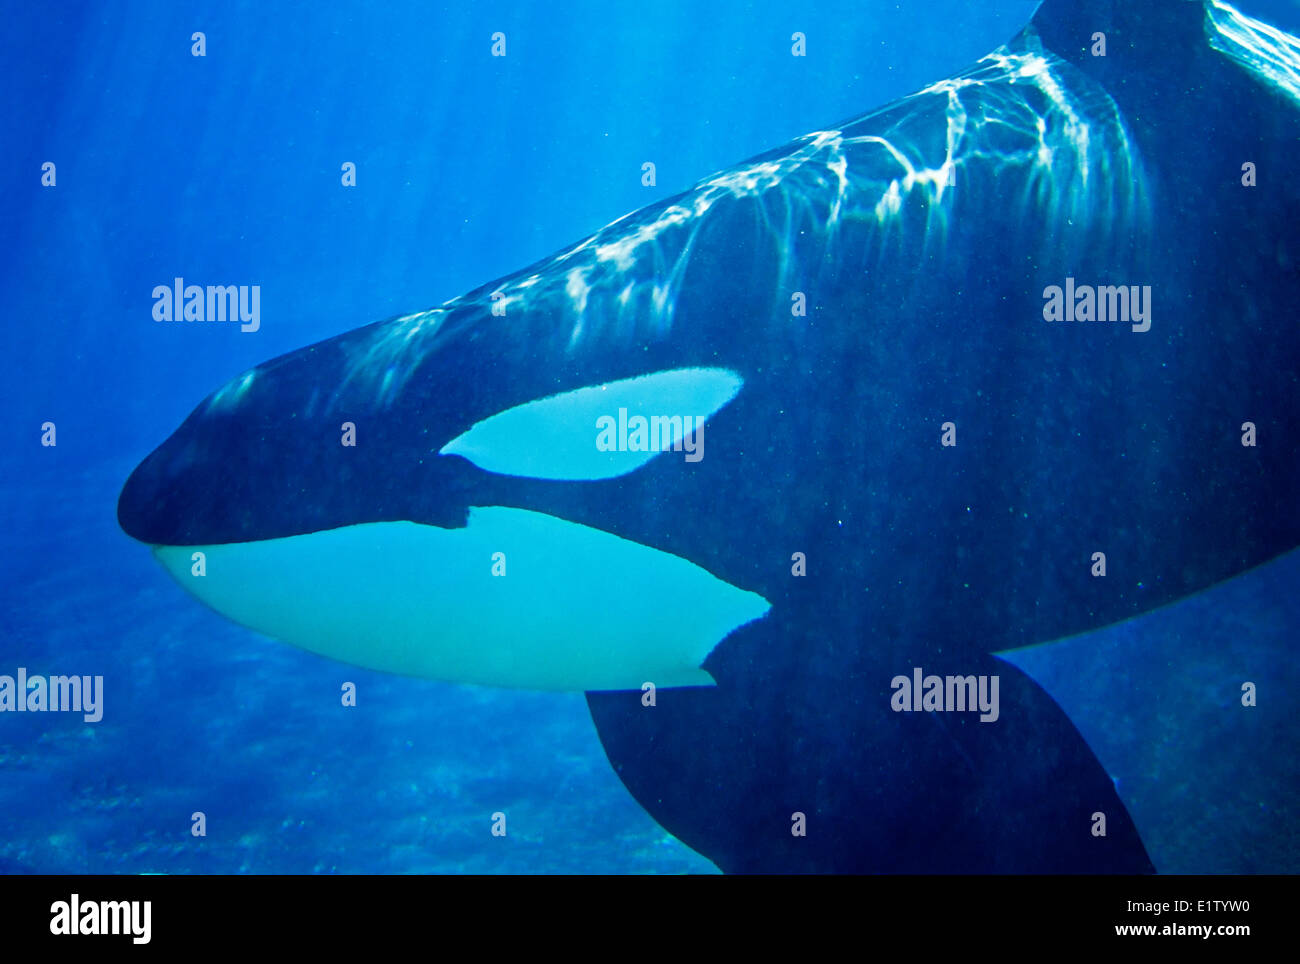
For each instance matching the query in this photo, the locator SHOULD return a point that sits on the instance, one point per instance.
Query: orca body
(912, 474)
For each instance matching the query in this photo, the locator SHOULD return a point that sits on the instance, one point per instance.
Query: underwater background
(225, 169)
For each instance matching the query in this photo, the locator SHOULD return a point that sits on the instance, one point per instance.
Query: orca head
(419, 498)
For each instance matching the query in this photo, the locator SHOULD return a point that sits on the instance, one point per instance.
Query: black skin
(1072, 439)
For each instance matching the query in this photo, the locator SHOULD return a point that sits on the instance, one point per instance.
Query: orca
(908, 465)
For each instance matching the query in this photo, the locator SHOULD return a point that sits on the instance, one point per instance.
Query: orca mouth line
(516, 599)
(206, 485)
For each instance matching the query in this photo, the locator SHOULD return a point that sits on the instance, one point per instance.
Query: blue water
(225, 169)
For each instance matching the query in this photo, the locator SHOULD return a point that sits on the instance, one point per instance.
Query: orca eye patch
(600, 431)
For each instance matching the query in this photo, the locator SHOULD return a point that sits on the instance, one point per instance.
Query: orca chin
(514, 598)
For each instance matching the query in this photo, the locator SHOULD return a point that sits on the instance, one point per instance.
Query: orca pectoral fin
(801, 725)
(1184, 707)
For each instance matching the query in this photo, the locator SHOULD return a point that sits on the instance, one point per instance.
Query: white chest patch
(516, 598)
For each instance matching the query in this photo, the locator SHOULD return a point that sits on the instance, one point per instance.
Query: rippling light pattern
(1258, 47)
(1029, 130)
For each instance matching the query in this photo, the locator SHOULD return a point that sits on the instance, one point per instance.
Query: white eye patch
(601, 431)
